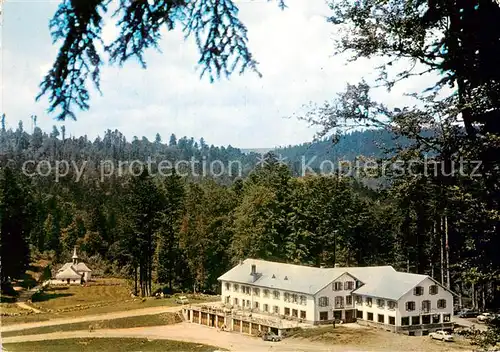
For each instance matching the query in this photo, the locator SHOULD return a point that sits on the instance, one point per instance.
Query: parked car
(468, 314)
(181, 300)
(271, 337)
(441, 335)
(485, 317)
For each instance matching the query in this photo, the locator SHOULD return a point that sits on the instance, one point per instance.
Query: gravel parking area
(357, 341)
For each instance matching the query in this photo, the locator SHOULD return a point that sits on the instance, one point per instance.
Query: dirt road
(194, 333)
(104, 316)
(243, 343)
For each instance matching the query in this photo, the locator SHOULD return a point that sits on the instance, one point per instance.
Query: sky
(294, 47)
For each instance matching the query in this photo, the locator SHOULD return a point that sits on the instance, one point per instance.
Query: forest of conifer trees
(182, 232)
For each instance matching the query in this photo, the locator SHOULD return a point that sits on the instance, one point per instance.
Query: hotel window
(339, 302)
(287, 311)
(286, 297)
(266, 308)
(235, 301)
(441, 303)
(303, 300)
(426, 319)
(323, 315)
(410, 306)
(276, 294)
(359, 314)
(247, 290)
(381, 318)
(337, 286)
(276, 309)
(415, 320)
(295, 298)
(391, 305)
(228, 286)
(256, 305)
(418, 291)
(323, 301)
(348, 300)
(436, 319)
(392, 321)
(446, 318)
(359, 299)
(236, 287)
(433, 289)
(256, 292)
(266, 293)
(369, 301)
(380, 303)
(405, 321)
(369, 316)
(295, 313)
(348, 285)
(426, 306)
(302, 314)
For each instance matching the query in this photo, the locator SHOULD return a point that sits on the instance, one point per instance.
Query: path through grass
(121, 323)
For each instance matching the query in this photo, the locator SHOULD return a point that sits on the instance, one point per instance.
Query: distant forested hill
(368, 143)
(18, 146)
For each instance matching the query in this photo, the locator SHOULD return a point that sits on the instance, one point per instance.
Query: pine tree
(15, 222)
(168, 255)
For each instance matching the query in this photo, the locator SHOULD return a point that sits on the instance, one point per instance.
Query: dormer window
(418, 291)
(286, 277)
(349, 285)
(274, 277)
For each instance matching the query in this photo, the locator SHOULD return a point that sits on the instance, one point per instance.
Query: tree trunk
(483, 296)
(474, 306)
(448, 284)
(441, 249)
(135, 279)
(433, 238)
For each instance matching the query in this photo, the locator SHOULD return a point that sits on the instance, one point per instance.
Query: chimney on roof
(254, 270)
(74, 257)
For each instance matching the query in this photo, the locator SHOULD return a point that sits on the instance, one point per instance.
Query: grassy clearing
(108, 345)
(11, 308)
(338, 335)
(110, 308)
(100, 291)
(370, 338)
(101, 296)
(120, 323)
